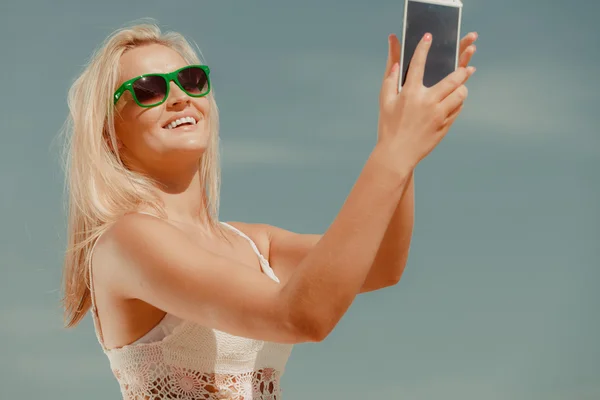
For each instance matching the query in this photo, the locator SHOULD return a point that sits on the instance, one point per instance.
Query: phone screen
(443, 24)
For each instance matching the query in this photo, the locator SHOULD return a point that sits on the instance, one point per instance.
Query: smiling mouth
(185, 121)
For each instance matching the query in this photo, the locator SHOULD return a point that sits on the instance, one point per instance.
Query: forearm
(392, 256)
(327, 280)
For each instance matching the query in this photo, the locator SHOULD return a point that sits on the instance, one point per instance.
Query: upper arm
(148, 259)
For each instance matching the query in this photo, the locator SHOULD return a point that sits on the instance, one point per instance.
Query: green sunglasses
(151, 90)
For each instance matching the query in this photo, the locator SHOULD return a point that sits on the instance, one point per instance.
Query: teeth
(180, 121)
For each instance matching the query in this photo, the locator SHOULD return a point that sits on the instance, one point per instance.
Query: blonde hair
(100, 188)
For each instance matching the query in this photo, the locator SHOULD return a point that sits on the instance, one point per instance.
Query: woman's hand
(415, 120)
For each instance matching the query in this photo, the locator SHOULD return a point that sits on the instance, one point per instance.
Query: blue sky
(499, 297)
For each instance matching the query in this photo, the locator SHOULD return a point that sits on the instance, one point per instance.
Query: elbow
(381, 283)
(311, 326)
(312, 330)
(392, 280)
(320, 330)
(374, 286)
(317, 332)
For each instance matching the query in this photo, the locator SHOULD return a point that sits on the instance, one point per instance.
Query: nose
(177, 97)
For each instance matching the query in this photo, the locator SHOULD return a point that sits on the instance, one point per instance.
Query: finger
(416, 68)
(449, 121)
(389, 87)
(450, 83)
(466, 41)
(453, 115)
(466, 55)
(454, 100)
(393, 53)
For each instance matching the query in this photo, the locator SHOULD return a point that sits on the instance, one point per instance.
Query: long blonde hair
(100, 188)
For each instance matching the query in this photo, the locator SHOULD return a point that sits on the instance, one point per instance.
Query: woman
(185, 306)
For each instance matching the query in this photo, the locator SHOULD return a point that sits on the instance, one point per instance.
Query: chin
(187, 138)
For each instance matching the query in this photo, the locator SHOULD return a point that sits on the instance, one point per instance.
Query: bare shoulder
(130, 235)
(131, 230)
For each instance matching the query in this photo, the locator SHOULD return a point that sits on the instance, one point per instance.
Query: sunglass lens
(150, 90)
(194, 80)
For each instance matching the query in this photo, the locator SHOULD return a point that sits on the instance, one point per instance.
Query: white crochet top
(194, 362)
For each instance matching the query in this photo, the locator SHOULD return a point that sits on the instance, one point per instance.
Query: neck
(182, 193)
(185, 202)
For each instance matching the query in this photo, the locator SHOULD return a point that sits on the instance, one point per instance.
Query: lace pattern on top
(186, 384)
(195, 362)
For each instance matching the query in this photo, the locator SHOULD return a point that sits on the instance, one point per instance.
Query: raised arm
(392, 257)
(145, 258)
(287, 249)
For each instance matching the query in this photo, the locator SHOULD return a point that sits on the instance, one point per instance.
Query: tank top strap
(264, 263)
(94, 310)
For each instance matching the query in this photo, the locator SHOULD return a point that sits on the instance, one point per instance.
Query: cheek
(134, 125)
(202, 104)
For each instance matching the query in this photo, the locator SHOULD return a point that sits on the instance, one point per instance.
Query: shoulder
(133, 236)
(133, 229)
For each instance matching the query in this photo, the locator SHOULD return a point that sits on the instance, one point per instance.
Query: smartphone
(442, 19)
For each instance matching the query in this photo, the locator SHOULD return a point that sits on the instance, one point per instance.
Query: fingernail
(394, 68)
(427, 37)
(471, 70)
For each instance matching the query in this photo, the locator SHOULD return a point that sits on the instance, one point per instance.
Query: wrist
(393, 160)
